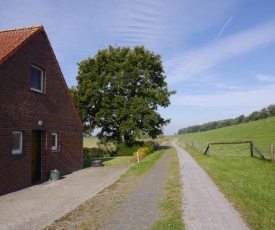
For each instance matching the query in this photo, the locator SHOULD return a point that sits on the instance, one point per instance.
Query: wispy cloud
(265, 78)
(252, 98)
(223, 28)
(194, 63)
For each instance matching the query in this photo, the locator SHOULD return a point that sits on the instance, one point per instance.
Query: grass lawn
(261, 132)
(108, 161)
(90, 142)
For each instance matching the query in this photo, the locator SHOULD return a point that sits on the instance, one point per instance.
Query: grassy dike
(247, 182)
(261, 132)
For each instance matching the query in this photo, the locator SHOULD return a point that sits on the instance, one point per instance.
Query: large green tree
(119, 91)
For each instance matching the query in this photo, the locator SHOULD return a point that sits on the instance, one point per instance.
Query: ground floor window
(16, 142)
(54, 141)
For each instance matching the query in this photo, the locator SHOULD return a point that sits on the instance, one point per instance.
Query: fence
(204, 147)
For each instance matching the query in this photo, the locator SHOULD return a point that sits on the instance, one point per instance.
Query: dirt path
(140, 210)
(205, 207)
(38, 206)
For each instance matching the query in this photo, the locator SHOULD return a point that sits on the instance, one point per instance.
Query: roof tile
(12, 40)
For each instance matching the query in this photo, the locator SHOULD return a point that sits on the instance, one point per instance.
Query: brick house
(40, 129)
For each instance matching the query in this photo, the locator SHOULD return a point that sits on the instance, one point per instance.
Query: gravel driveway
(38, 206)
(205, 207)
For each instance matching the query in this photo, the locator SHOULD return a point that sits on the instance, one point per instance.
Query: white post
(137, 157)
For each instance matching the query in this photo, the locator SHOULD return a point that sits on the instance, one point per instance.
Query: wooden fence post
(251, 149)
(272, 152)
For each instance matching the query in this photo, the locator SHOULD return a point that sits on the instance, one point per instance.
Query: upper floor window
(37, 79)
(16, 142)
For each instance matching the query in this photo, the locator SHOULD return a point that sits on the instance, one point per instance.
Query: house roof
(13, 40)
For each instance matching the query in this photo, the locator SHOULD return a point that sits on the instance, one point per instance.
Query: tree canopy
(119, 91)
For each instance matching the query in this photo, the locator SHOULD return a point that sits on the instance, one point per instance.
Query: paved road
(205, 207)
(38, 206)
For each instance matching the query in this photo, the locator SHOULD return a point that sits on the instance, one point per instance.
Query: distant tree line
(254, 116)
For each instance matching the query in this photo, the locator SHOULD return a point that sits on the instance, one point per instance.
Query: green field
(261, 132)
(248, 182)
(90, 142)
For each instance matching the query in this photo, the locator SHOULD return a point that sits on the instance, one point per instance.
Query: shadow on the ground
(164, 147)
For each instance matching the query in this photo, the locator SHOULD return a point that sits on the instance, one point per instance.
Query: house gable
(33, 113)
(11, 41)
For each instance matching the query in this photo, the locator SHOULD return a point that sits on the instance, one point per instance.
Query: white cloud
(265, 78)
(253, 98)
(197, 61)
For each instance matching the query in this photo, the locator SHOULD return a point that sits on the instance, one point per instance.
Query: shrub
(142, 152)
(151, 146)
(89, 153)
(127, 149)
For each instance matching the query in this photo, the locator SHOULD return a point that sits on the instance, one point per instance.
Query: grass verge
(108, 161)
(145, 164)
(247, 182)
(94, 212)
(172, 203)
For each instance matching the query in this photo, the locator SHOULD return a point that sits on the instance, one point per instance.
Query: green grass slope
(261, 132)
(247, 182)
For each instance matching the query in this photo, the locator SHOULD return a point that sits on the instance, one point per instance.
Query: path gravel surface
(140, 209)
(38, 206)
(205, 207)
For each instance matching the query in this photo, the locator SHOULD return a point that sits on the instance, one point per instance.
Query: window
(54, 141)
(16, 142)
(37, 79)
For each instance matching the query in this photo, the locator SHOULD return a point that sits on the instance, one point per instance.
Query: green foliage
(146, 149)
(140, 154)
(119, 91)
(127, 149)
(151, 146)
(89, 153)
(254, 116)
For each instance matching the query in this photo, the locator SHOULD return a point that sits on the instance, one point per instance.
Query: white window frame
(18, 151)
(41, 78)
(55, 147)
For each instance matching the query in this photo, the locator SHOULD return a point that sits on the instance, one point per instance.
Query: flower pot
(55, 175)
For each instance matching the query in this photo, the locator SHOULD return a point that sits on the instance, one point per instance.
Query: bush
(127, 149)
(89, 153)
(145, 150)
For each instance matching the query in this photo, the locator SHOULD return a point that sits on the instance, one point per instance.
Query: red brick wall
(21, 109)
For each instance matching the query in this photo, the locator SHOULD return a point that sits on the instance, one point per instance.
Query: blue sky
(218, 54)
